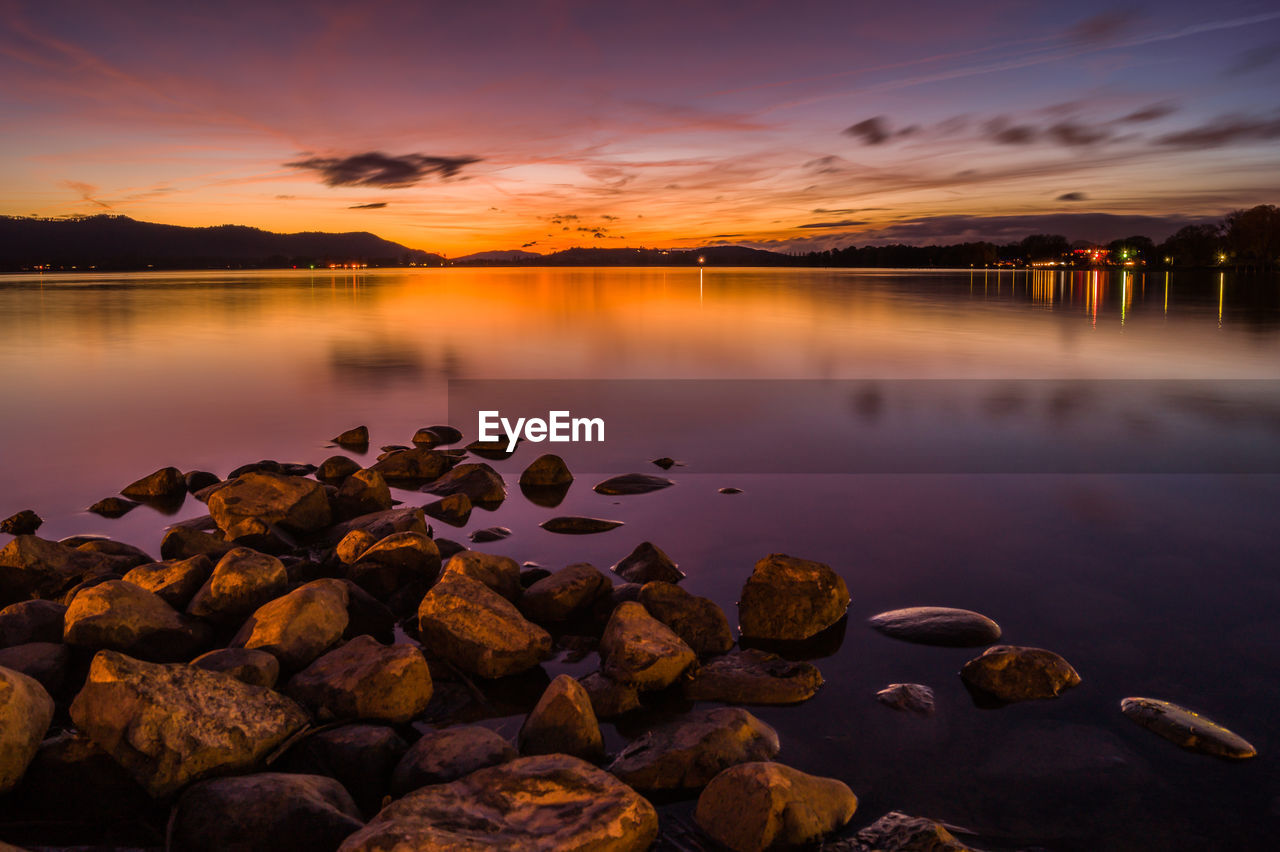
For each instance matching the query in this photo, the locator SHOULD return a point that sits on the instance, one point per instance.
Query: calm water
(1160, 585)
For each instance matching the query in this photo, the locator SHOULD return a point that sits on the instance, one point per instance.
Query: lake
(1155, 578)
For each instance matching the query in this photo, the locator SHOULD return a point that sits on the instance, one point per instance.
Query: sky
(796, 125)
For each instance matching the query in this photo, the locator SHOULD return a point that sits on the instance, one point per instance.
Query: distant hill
(709, 256)
(118, 242)
(489, 257)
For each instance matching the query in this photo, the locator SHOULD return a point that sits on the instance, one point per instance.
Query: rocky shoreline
(295, 672)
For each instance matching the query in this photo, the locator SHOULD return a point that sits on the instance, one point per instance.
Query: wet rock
(609, 698)
(465, 623)
(25, 522)
(453, 510)
(117, 556)
(31, 621)
(447, 755)
(548, 802)
(752, 807)
(646, 564)
(198, 480)
(33, 567)
(270, 811)
(409, 468)
(169, 725)
(272, 466)
(1187, 728)
(562, 722)
(125, 617)
(354, 438)
(638, 649)
(531, 573)
(25, 713)
(256, 668)
(335, 469)
(698, 621)
(242, 581)
(632, 483)
(174, 581)
(687, 754)
(398, 569)
(753, 676)
(729, 489)
(442, 434)
(113, 507)
(184, 543)
(364, 679)
(666, 463)
(489, 534)
(570, 525)
(382, 524)
(499, 573)
(492, 450)
(546, 471)
(910, 697)
(363, 492)
(168, 483)
(449, 548)
(352, 545)
(568, 592)
(426, 438)
(361, 757)
(788, 598)
(897, 832)
(1014, 673)
(44, 662)
(937, 625)
(248, 506)
(300, 626)
(481, 483)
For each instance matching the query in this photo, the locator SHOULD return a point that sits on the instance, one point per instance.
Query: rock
(729, 489)
(1187, 728)
(360, 757)
(637, 648)
(119, 557)
(568, 592)
(32, 567)
(174, 581)
(167, 483)
(788, 598)
(125, 617)
(474, 628)
(242, 581)
(447, 755)
(44, 662)
(687, 754)
(530, 573)
(493, 450)
(300, 626)
(335, 469)
(413, 467)
(355, 438)
(562, 722)
(364, 679)
(546, 471)
(752, 807)
(549, 802)
(31, 621)
(363, 492)
(449, 548)
(937, 625)
(488, 534)
(646, 564)
(198, 480)
(249, 506)
(352, 545)
(698, 621)
(113, 507)
(1010, 673)
(182, 543)
(70, 778)
(608, 697)
(402, 564)
(666, 462)
(453, 510)
(911, 697)
(382, 524)
(632, 483)
(256, 668)
(270, 811)
(425, 438)
(271, 466)
(499, 573)
(25, 522)
(441, 435)
(753, 676)
(569, 525)
(368, 615)
(25, 713)
(897, 832)
(481, 483)
(169, 725)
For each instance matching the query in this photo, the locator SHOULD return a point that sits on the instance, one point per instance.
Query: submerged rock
(646, 564)
(364, 679)
(250, 505)
(1187, 728)
(499, 573)
(687, 754)
(167, 483)
(447, 755)
(25, 522)
(474, 628)
(566, 593)
(729, 489)
(666, 462)
(788, 598)
(242, 581)
(698, 621)
(1011, 673)
(608, 697)
(569, 525)
(298, 627)
(632, 483)
(753, 676)
(256, 668)
(354, 438)
(174, 581)
(453, 510)
(25, 713)
(752, 807)
(937, 625)
(562, 722)
(911, 697)
(480, 482)
(31, 621)
(638, 649)
(488, 534)
(546, 471)
(125, 617)
(438, 434)
(113, 507)
(335, 469)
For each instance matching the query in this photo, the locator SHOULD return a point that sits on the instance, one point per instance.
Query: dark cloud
(609, 218)
(1105, 26)
(1075, 135)
(1099, 227)
(1226, 130)
(724, 236)
(373, 205)
(87, 192)
(1073, 196)
(845, 223)
(828, 165)
(378, 169)
(529, 244)
(561, 218)
(1000, 131)
(872, 131)
(1149, 113)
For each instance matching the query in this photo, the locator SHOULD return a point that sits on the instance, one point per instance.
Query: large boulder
(31, 621)
(300, 626)
(788, 598)
(753, 807)
(167, 483)
(44, 662)
(403, 564)
(33, 567)
(25, 713)
(562, 722)
(256, 668)
(270, 811)
(465, 623)
(638, 649)
(447, 755)
(687, 754)
(646, 564)
(364, 679)
(173, 724)
(361, 757)
(381, 524)
(118, 556)
(250, 505)
(1011, 673)
(184, 543)
(532, 804)
(698, 621)
(412, 467)
(335, 469)
(123, 617)
(499, 573)
(568, 592)
(481, 483)
(753, 676)
(608, 697)
(242, 581)
(937, 625)
(175, 581)
(363, 492)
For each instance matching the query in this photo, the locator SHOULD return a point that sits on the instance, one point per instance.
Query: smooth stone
(571, 525)
(33, 567)
(937, 625)
(1011, 673)
(169, 725)
(249, 505)
(729, 489)
(124, 617)
(898, 832)
(698, 621)
(352, 545)
(467, 624)
(562, 722)
(256, 668)
(687, 754)
(546, 471)
(25, 522)
(531, 804)
(242, 581)
(454, 510)
(174, 581)
(492, 450)
(401, 565)
(382, 524)
(499, 573)
(364, 679)
(426, 438)
(566, 593)
(298, 627)
(198, 480)
(789, 599)
(443, 434)
(360, 756)
(335, 469)
(666, 462)
(272, 466)
(269, 811)
(632, 483)
(361, 493)
(25, 713)
(488, 534)
(113, 507)
(753, 807)
(412, 467)
(44, 662)
(752, 676)
(638, 649)
(118, 556)
(356, 437)
(646, 564)
(32, 621)
(440, 757)
(449, 548)
(1187, 728)
(167, 483)
(481, 483)
(531, 573)
(910, 697)
(608, 697)
(184, 543)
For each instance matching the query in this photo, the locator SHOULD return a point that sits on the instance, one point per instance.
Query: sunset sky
(462, 127)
